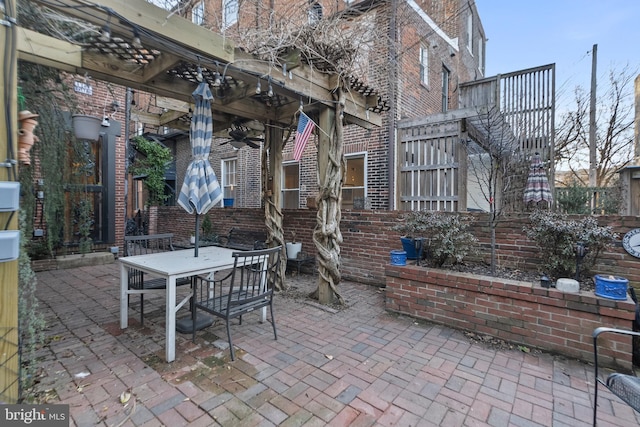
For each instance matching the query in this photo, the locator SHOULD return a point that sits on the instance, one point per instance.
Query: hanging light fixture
(270, 91)
(258, 88)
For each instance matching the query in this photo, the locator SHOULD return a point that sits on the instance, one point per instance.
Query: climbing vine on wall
(153, 167)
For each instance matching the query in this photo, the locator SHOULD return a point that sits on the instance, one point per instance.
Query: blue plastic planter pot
(409, 247)
(398, 257)
(611, 287)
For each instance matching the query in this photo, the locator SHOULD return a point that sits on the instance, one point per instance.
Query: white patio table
(171, 265)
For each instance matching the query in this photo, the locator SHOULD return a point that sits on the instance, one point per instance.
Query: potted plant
(408, 230)
(86, 127)
(444, 238)
(294, 247)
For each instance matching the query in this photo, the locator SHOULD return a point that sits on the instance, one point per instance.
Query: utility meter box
(9, 245)
(9, 196)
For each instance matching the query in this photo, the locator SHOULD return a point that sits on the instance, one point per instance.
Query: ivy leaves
(152, 167)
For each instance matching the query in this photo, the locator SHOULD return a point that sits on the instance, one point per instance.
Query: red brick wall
(367, 238)
(521, 313)
(99, 103)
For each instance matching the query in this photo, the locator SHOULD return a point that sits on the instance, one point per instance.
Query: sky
(529, 33)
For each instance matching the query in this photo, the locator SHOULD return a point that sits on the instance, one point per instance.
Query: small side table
(300, 260)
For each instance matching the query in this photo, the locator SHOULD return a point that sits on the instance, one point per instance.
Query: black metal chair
(143, 245)
(247, 287)
(626, 387)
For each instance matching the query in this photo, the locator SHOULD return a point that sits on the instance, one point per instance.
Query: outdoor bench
(143, 245)
(246, 240)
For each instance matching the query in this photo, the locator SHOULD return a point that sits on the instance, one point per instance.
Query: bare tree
(496, 170)
(614, 131)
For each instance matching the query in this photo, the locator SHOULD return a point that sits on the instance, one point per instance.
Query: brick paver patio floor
(359, 366)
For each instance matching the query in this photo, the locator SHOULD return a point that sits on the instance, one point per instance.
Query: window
(446, 75)
(315, 13)
(229, 183)
(481, 55)
(291, 186)
(353, 190)
(197, 14)
(470, 33)
(230, 15)
(424, 65)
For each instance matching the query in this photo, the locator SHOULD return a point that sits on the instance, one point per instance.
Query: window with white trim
(354, 190)
(470, 33)
(230, 15)
(446, 77)
(291, 185)
(197, 14)
(481, 55)
(229, 178)
(424, 65)
(315, 13)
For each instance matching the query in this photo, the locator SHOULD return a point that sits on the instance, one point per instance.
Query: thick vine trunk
(271, 191)
(327, 236)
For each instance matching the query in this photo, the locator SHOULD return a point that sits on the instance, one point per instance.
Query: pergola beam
(147, 17)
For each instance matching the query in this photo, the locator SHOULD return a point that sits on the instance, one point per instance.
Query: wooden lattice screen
(429, 175)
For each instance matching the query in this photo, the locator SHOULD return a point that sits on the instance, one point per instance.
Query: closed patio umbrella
(537, 189)
(200, 190)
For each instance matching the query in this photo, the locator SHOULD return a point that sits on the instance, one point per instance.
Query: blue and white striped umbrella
(200, 190)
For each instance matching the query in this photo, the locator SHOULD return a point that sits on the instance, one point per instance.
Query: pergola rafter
(175, 48)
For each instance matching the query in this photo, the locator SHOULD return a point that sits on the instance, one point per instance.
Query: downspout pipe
(393, 81)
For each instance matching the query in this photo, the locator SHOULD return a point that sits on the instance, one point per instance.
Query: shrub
(557, 237)
(447, 239)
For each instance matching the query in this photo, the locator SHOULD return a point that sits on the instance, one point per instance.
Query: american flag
(305, 128)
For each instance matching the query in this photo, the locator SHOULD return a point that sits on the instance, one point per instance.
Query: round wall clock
(631, 242)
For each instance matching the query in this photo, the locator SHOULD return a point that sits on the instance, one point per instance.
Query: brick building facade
(422, 50)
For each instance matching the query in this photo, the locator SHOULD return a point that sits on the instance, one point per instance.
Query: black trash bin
(635, 359)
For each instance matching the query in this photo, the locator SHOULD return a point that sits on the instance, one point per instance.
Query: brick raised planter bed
(519, 312)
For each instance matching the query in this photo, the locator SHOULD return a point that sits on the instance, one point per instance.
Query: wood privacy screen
(514, 110)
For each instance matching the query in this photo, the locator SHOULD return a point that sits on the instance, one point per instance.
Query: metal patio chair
(624, 386)
(246, 288)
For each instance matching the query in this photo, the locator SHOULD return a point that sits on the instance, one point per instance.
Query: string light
(258, 88)
(136, 39)
(105, 32)
(270, 91)
(217, 80)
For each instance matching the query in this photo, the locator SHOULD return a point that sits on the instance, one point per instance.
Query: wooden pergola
(171, 55)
